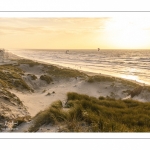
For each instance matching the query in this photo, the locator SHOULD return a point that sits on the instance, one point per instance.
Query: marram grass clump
(83, 113)
(32, 76)
(46, 78)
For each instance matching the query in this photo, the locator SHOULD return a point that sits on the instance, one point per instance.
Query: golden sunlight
(129, 32)
(123, 32)
(130, 77)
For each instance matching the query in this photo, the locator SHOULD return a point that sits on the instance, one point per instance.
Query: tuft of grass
(46, 78)
(21, 84)
(101, 98)
(57, 104)
(33, 77)
(136, 91)
(51, 115)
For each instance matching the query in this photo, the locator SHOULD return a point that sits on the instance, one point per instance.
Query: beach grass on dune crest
(31, 63)
(89, 114)
(100, 78)
(64, 72)
(105, 78)
(54, 71)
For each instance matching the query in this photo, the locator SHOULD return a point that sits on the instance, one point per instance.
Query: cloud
(49, 25)
(16, 30)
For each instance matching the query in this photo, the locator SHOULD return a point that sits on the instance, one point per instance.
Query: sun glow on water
(132, 77)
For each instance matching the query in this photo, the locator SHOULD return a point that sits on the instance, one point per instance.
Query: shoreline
(89, 73)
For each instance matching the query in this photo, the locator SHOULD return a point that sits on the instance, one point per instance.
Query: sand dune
(44, 96)
(46, 93)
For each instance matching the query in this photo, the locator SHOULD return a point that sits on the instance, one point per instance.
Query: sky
(75, 33)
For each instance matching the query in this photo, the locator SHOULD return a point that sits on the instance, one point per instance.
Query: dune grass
(55, 71)
(103, 78)
(32, 76)
(53, 115)
(46, 78)
(8, 96)
(128, 82)
(31, 63)
(11, 77)
(100, 78)
(89, 114)
(64, 72)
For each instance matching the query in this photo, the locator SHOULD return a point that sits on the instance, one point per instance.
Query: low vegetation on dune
(64, 72)
(128, 82)
(46, 78)
(100, 78)
(103, 78)
(31, 63)
(10, 97)
(54, 71)
(32, 76)
(147, 88)
(11, 108)
(89, 114)
(136, 91)
(11, 77)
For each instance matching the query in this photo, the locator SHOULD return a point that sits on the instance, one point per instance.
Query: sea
(124, 63)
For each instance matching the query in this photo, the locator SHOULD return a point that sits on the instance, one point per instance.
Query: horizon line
(80, 48)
